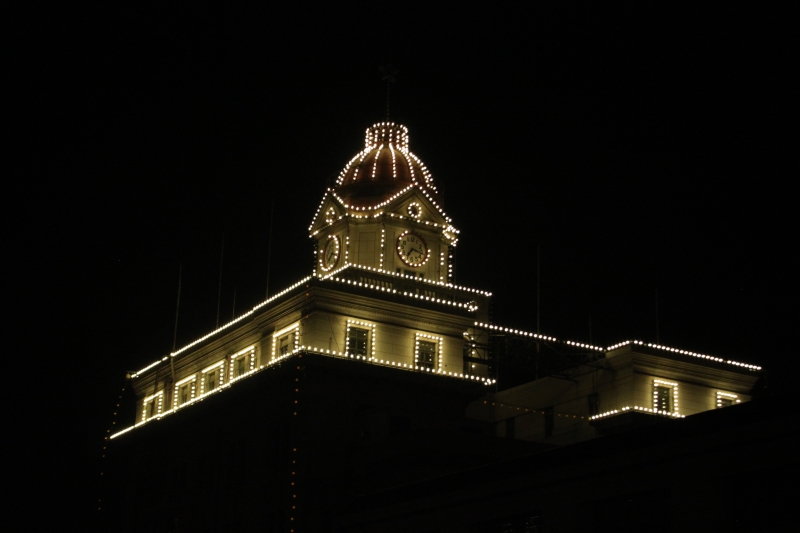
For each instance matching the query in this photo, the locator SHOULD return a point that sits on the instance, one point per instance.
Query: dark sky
(640, 149)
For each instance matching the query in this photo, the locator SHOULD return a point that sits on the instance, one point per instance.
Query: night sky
(642, 150)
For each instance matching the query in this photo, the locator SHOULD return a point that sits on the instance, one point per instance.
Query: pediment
(417, 205)
(330, 210)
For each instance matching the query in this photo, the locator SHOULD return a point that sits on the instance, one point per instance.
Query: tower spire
(389, 73)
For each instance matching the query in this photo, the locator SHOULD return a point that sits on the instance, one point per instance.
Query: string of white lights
(686, 352)
(406, 276)
(470, 306)
(639, 408)
(519, 332)
(299, 349)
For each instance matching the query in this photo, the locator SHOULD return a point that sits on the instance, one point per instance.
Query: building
(374, 371)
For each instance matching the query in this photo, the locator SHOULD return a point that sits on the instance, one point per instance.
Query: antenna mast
(175, 331)
(219, 291)
(269, 246)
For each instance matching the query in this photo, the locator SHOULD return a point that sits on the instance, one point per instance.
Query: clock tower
(384, 214)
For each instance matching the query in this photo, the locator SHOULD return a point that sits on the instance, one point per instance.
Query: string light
(303, 281)
(519, 332)
(686, 352)
(442, 284)
(312, 350)
(634, 408)
(470, 306)
(721, 396)
(383, 244)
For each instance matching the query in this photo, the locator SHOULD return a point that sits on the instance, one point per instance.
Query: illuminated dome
(382, 169)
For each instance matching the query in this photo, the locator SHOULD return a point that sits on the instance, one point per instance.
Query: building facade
(373, 371)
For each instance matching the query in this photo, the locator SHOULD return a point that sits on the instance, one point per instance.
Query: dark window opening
(661, 399)
(357, 341)
(426, 355)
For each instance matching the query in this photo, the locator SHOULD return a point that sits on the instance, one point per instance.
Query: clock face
(330, 254)
(412, 249)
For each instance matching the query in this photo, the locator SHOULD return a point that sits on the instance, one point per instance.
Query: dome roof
(382, 169)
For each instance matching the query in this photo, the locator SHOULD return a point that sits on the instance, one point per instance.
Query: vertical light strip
(394, 167)
(383, 243)
(375, 162)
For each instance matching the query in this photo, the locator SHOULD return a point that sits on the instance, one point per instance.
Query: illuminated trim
(437, 363)
(370, 339)
(383, 245)
(674, 397)
(250, 352)
(229, 324)
(318, 351)
(160, 409)
(733, 397)
(686, 352)
(414, 278)
(449, 230)
(323, 262)
(524, 333)
(634, 408)
(294, 329)
(469, 306)
(176, 404)
(220, 380)
(414, 210)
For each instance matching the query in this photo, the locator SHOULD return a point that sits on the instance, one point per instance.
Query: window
(284, 345)
(665, 397)
(427, 351)
(360, 339)
(153, 406)
(726, 399)
(212, 377)
(284, 342)
(239, 365)
(357, 342)
(661, 399)
(426, 354)
(184, 391)
(549, 422)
